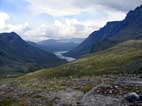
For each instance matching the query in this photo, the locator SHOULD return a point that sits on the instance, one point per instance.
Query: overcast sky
(38, 20)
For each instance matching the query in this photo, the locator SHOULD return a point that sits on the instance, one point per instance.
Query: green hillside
(125, 58)
(19, 57)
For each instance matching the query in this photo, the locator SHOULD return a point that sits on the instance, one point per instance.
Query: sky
(37, 20)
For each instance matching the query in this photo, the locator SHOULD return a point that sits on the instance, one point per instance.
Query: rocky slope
(103, 92)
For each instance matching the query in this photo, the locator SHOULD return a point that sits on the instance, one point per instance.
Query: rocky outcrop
(115, 94)
(93, 99)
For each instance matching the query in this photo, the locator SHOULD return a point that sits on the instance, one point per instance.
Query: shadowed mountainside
(17, 56)
(111, 34)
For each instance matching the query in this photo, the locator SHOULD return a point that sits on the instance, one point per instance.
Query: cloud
(56, 19)
(4, 17)
(68, 28)
(5, 26)
(54, 7)
(120, 5)
(73, 7)
(60, 28)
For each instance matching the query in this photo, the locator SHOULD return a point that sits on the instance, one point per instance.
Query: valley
(104, 69)
(109, 76)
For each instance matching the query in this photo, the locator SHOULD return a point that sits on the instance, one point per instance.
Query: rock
(94, 99)
(140, 98)
(100, 100)
(132, 97)
(69, 97)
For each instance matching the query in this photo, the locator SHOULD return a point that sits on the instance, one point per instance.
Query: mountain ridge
(55, 45)
(111, 34)
(19, 56)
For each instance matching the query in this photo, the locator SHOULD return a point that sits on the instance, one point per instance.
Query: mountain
(53, 45)
(74, 40)
(124, 58)
(111, 34)
(17, 56)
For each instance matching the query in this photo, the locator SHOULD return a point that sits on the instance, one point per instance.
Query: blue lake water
(61, 56)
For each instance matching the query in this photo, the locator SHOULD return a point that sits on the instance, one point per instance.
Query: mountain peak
(12, 36)
(13, 33)
(135, 14)
(139, 7)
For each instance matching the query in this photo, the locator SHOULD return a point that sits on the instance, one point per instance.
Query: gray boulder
(94, 99)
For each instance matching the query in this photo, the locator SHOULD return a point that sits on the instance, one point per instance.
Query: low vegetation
(99, 70)
(125, 58)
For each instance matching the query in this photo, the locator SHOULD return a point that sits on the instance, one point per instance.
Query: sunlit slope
(125, 58)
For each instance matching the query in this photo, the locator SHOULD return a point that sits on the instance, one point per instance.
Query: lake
(61, 56)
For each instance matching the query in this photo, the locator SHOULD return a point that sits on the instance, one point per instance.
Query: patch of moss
(9, 103)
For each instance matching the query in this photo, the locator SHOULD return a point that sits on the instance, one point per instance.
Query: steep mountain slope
(17, 56)
(125, 58)
(111, 34)
(60, 45)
